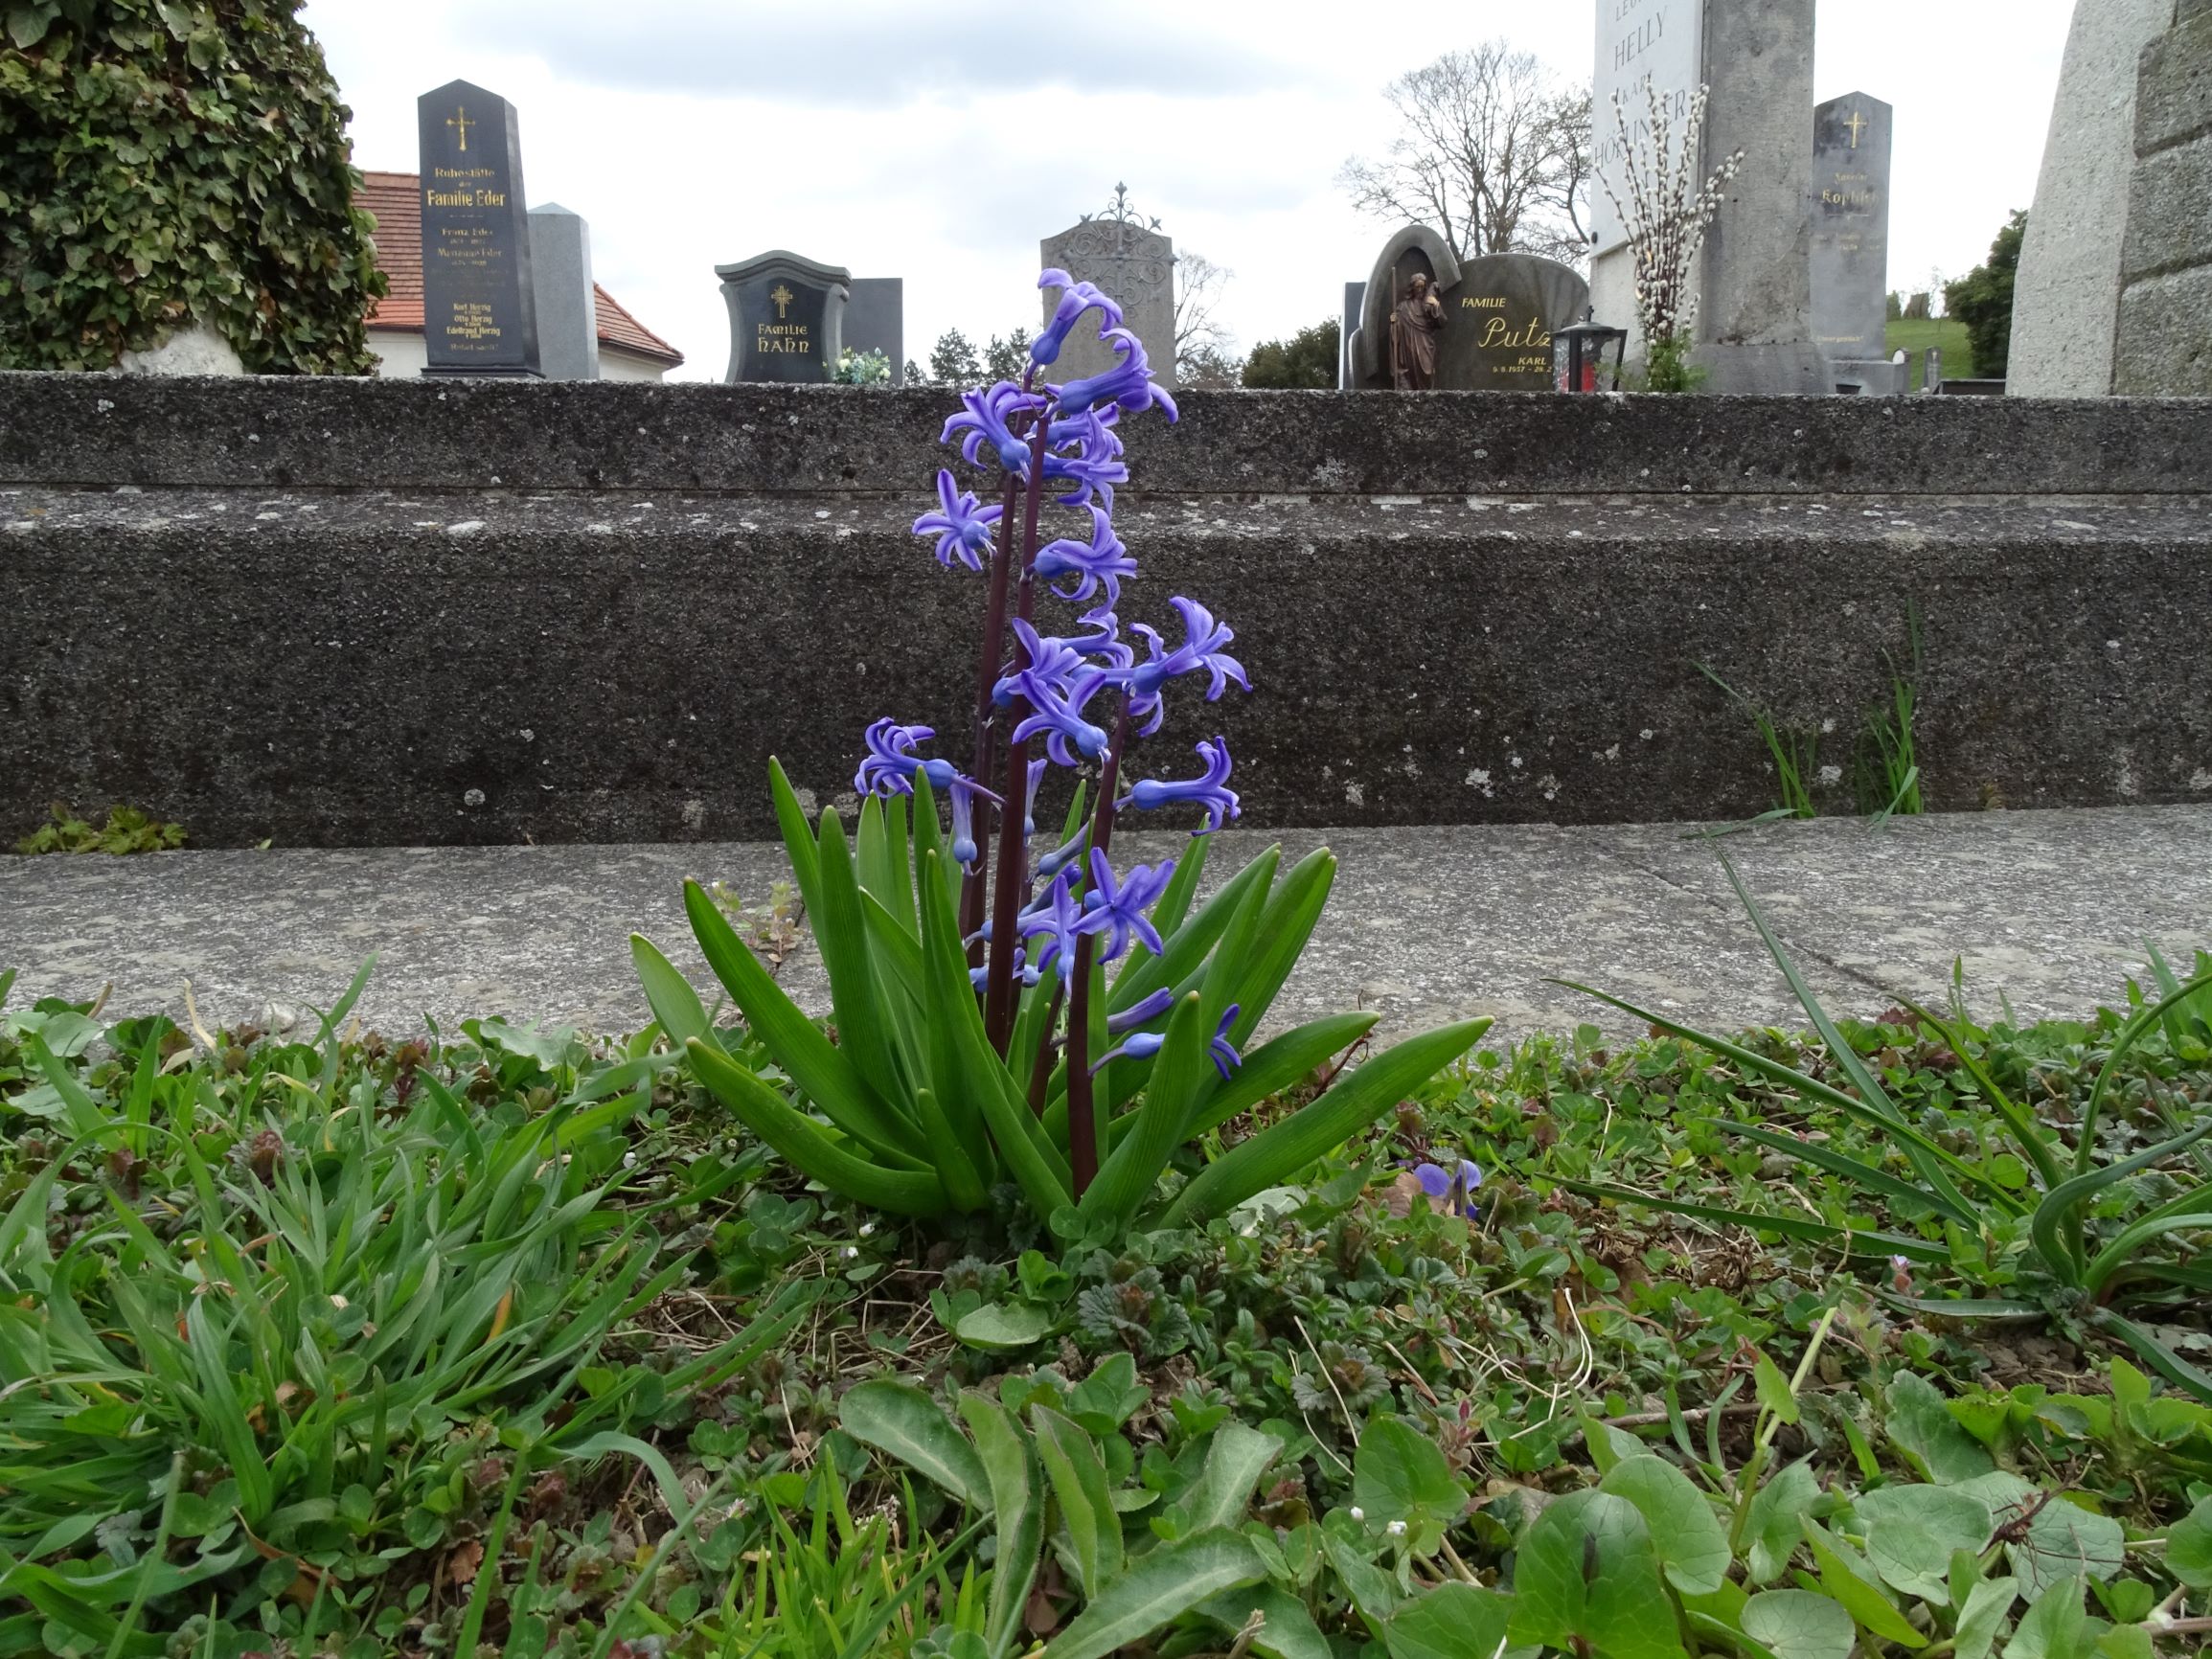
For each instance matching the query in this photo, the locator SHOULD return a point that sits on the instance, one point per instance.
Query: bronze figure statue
(1416, 323)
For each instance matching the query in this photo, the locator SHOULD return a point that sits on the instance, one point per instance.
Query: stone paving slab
(2050, 909)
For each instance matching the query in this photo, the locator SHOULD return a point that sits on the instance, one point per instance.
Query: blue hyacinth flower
(1127, 384)
(1075, 299)
(1201, 653)
(1102, 561)
(1116, 909)
(1208, 790)
(962, 525)
(985, 417)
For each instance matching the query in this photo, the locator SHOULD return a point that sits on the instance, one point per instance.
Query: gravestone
(2067, 290)
(479, 309)
(2162, 339)
(1754, 324)
(1850, 208)
(875, 321)
(560, 280)
(787, 317)
(1126, 255)
(1500, 313)
(1348, 330)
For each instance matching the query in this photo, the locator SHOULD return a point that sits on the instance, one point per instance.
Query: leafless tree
(1199, 339)
(1493, 152)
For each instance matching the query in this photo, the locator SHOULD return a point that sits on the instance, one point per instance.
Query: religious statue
(1416, 322)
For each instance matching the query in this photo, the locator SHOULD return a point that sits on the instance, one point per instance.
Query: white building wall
(400, 353)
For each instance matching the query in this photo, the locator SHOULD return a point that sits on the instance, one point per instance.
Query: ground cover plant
(673, 1397)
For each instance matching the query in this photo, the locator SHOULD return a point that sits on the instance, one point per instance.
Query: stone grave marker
(1754, 326)
(1126, 255)
(479, 309)
(560, 280)
(787, 317)
(1851, 148)
(1498, 312)
(875, 321)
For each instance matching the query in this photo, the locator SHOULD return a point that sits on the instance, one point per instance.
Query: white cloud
(942, 144)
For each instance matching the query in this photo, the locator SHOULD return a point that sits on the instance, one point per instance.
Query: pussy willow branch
(1668, 211)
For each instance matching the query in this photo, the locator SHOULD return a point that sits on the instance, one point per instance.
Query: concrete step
(2048, 911)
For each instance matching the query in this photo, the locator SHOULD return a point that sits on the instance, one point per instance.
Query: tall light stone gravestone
(479, 309)
(1754, 326)
(1851, 149)
(787, 317)
(2162, 343)
(567, 312)
(1126, 255)
(1498, 313)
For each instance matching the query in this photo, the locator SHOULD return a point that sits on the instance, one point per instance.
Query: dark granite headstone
(787, 317)
(875, 321)
(479, 315)
(1499, 312)
(1850, 211)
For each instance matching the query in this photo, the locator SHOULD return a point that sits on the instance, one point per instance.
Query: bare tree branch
(1198, 337)
(1490, 153)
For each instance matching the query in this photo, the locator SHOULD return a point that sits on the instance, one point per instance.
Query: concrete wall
(2163, 341)
(407, 611)
(2067, 291)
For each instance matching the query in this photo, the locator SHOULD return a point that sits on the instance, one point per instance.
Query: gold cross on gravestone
(1857, 123)
(459, 121)
(782, 298)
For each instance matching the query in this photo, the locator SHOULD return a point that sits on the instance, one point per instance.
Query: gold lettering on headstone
(459, 121)
(1857, 123)
(782, 298)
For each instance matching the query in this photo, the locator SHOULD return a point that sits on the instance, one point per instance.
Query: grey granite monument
(561, 285)
(2067, 295)
(1754, 328)
(1125, 253)
(479, 315)
(787, 317)
(875, 321)
(1849, 207)
(1492, 317)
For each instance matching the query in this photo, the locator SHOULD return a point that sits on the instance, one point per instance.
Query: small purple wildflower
(1457, 1185)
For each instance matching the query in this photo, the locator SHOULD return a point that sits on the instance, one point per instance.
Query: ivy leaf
(2057, 1627)
(2189, 1548)
(2065, 1541)
(27, 25)
(1452, 1621)
(1772, 1522)
(1587, 1572)
(1988, 1604)
(1691, 1546)
(1400, 1475)
(1912, 1531)
(1865, 1602)
(1799, 1624)
(1930, 1438)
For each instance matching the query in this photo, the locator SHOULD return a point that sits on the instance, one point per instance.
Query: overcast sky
(941, 144)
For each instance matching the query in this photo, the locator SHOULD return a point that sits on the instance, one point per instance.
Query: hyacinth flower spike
(1075, 299)
(962, 525)
(1209, 790)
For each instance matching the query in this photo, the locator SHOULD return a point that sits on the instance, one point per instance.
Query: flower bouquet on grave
(981, 1041)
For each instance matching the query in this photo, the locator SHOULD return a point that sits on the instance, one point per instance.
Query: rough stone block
(2173, 85)
(2170, 211)
(2164, 347)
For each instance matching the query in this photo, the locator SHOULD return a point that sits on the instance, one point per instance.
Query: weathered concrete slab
(2049, 909)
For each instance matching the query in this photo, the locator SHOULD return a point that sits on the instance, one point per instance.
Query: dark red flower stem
(1012, 875)
(987, 666)
(1081, 1115)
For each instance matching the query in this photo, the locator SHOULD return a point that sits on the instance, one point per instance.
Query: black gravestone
(1498, 323)
(1851, 152)
(787, 317)
(478, 314)
(1500, 313)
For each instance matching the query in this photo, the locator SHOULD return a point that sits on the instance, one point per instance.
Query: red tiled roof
(392, 199)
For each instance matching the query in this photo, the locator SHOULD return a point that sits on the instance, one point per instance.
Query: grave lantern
(1579, 353)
